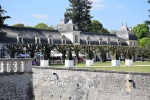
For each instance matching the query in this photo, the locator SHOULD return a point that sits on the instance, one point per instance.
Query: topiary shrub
(44, 54)
(69, 55)
(89, 55)
(115, 55)
(128, 55)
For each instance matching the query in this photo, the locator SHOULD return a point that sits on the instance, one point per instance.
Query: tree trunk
(133, 57)
(11, 55)
(32, 54)
(77, 57)
(103, 57)
(49, 56)
(64, 56)
(142, 58)
(124, 57)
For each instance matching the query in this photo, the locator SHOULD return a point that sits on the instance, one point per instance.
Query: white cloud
(98, 4)
(39, 16)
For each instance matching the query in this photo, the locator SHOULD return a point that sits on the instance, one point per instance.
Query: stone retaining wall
(16, 86)
(76, 84)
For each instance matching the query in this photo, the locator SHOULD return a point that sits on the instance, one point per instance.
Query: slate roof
(126, 34)
(95, 37)
(29, 35)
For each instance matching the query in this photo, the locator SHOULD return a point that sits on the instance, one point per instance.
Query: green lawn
(128, 69)
(109, 64)
(137, 66)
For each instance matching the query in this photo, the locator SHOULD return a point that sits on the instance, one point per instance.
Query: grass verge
(137, 66)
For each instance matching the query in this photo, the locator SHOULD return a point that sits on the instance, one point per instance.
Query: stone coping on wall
(16, 73)
(90, 70)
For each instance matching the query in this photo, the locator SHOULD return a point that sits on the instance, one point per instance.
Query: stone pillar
(28, 65)
(18, 66)
(44, 63)
(4, 66)
(128, 62)
(115, 63)
(11, 65)
(89, 62)
(69, 63)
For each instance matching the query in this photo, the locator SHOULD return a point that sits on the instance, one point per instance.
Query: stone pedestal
(28, 65)
(128, 62)
(115, 63)
(44, 63)
(69, 63)
(89, 62)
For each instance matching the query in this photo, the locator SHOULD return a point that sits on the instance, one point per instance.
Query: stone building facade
(66, 33)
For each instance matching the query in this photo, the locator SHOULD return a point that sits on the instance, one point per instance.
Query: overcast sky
(111, 13)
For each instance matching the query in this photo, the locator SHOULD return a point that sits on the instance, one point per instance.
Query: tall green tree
(144, 41)
(2, 18)
(105, 31)
(148, 21)
(43, 26)
(79, 12)
(141, 30)
(96, 26)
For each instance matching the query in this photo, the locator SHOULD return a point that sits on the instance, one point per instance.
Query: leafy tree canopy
(3, 18)
(43, 26)
(144, 41)
(105, 31)
(97, 27)
(79, 12)
(19, 25)
(141, 30)
(148, 21)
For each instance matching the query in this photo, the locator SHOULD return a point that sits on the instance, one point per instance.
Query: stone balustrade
(15, 65)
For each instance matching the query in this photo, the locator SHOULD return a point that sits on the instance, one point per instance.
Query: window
(63, 39)
(19, 39)
(134, 43)
(108, 41)
(76, 38)
(37, 40)
(2, 53)
(50, 39)
(64, 42)
(119, 42)
(100, 42)
(88, 42)
(131, 43)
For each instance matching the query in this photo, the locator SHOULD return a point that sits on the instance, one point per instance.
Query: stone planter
(44, 63)
(128, 62)
(69, 63)
(115, 63)
(89, 62)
